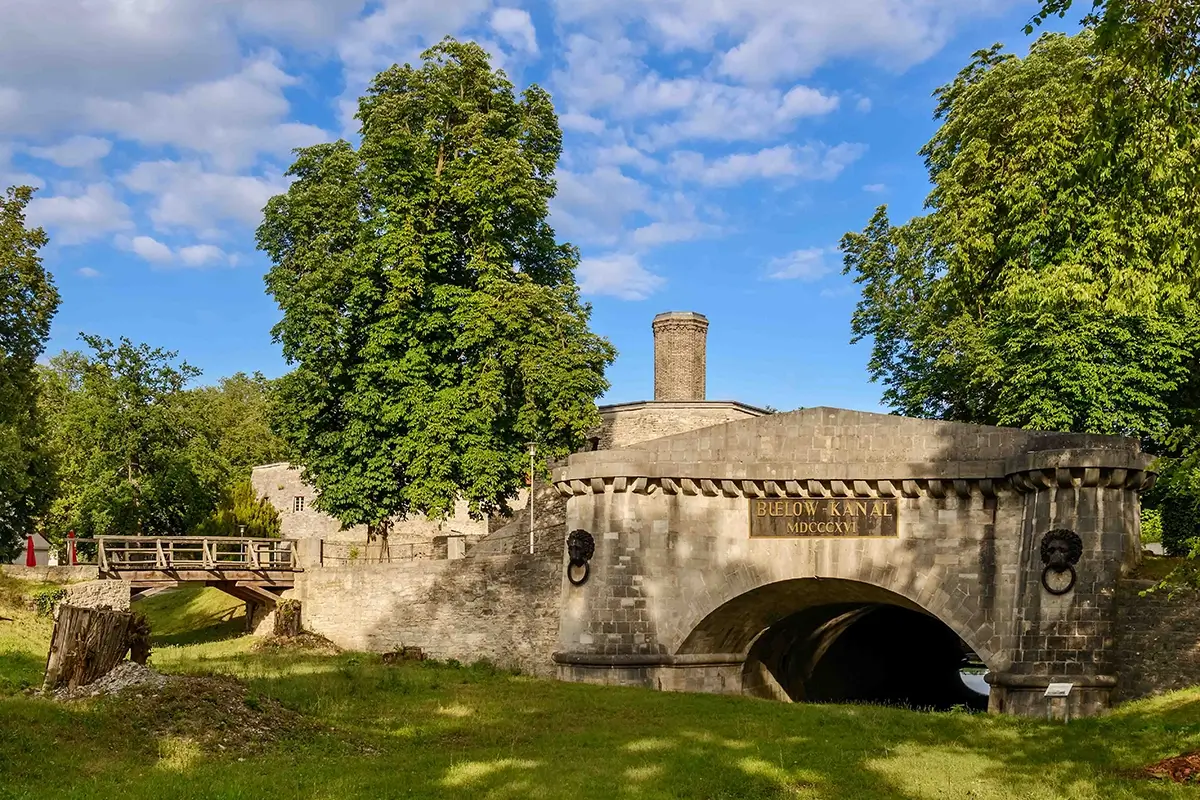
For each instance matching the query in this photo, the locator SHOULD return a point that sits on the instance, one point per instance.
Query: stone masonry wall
(281, 485)
(632, 423)
(98, 594)
(64, 574)
(1158, 640)
(503, 608)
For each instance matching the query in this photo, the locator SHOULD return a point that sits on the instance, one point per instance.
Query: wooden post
(160, 558)
(86, 645)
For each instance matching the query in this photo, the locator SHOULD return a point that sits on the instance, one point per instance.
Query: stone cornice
(614, 470)
(1025, 481)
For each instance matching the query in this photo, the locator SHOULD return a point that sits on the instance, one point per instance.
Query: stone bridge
(838, 555)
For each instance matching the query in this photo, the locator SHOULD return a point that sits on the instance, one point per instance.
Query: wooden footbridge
(253, 570)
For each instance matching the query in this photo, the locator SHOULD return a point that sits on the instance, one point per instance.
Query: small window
(298, 503)
(595, 440)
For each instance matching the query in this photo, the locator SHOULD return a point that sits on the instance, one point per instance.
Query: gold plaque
(823, 517)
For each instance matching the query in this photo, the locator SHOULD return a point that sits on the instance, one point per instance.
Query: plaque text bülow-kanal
(823, 517)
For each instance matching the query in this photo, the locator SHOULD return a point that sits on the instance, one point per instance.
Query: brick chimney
(679, 359)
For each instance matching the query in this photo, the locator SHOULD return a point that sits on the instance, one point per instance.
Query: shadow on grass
(228, 629)
(19, 671)
(430, 730)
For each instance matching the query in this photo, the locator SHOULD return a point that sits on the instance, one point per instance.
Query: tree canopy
(131, 460)
(1051, 285)
(432, 318)
(138, 451)
(28, 301)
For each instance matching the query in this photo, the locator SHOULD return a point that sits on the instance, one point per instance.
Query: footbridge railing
(208, 553)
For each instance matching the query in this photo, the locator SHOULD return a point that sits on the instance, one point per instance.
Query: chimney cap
(692, 315)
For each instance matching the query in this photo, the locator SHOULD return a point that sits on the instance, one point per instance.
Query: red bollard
(30, 556)
(71, 546)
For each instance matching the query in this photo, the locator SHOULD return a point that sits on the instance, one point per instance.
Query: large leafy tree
(28, 301)
(133, 456)
(432, 317)
(1157, 42)
(235, 416)
(1050, 284)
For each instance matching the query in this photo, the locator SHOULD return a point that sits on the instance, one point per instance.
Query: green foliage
(46, 599)
(1152, 529)
(1046, 288)
(242, 512)
(28, 301)
(433, 320)
(236, 415)
(1180, 509)
(132, 458)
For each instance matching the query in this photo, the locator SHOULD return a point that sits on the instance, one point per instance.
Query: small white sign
(1059, 689)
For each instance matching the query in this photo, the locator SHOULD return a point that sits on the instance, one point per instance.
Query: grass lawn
(435, 730)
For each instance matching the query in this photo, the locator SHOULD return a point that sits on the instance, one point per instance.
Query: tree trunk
(86, 645)
(287, 618)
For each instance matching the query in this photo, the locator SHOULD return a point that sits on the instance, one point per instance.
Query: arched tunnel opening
(834, 640)
(875, 653)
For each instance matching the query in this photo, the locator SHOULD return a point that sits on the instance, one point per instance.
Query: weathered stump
(86, 645)
(287, 618)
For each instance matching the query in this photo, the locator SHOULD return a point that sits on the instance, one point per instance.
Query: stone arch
(728, 621)
(807, 638)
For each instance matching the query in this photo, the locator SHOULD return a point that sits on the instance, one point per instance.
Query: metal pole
(532, 450)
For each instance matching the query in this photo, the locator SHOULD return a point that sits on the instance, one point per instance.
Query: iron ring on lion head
(580, 549)
(1061, 550)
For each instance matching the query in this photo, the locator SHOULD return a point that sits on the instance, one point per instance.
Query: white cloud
(87, 215)
(775, 40)
(802, 265)
(78, 151)
(618, 275)
(619, 155)
(187, 196)
(515, 27)
(151, 249)
(11, 176)
(88, 272)
(610, 76)
(659, 233)
(583, 123)
(875, 187)
(806, 162)
(199, 255)
(593, 207)
(863, 104)
(232, 118)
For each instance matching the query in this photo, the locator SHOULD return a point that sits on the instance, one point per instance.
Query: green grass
(192, 615)
(436, 730)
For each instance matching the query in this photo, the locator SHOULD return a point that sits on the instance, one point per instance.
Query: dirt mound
(219, 714)
(1181, 769)
(126, 675)
(307, 642)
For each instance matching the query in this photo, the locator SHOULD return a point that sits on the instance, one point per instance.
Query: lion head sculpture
(1061, 551)
(1061, 548)
(580, 549)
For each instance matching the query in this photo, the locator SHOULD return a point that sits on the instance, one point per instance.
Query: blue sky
(715, 153)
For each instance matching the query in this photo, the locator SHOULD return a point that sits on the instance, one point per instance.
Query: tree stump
(86, 645)
(287, 618)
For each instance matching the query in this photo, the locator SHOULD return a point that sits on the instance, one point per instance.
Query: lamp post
(532, 452)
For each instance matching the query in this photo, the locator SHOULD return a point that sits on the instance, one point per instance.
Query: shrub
(46, 599)
(1180, 515)
(1151, 525)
